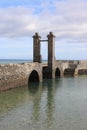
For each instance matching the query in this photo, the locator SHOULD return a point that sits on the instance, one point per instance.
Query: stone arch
(69, 72)
(33, 77)
(57, 72)
(82, 72)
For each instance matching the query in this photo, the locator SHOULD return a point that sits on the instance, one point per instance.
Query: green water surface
(59, 104)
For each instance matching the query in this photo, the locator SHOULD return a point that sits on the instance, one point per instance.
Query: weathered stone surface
(81, 68)
(15, 75)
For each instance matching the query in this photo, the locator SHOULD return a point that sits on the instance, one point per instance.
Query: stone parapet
(15, 75)
(81, 68)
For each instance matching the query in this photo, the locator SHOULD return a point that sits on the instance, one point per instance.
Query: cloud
(16, 22)
(66, 18)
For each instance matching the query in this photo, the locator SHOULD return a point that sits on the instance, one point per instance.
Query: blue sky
(20, 19)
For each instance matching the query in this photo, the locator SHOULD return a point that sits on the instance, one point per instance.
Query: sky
(20, 19)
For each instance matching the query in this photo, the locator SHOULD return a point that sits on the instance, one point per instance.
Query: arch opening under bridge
(69, 72)
(33, 77)
(57, 72)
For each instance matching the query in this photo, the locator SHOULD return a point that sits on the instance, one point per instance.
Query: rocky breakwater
(15, 75)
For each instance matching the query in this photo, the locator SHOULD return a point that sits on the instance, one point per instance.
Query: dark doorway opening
(57, 73)
(34, 77)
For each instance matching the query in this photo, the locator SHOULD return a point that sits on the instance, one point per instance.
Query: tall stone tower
(51, 55)
(50, 69)
(36, 48)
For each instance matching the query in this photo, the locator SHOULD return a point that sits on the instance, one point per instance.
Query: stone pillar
(36, 48)
(51, 55)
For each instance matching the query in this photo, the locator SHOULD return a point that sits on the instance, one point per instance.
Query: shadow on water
(51, 105)
(47, 84)
(44, 94)
(33, 87)
(11, 98)
(42, 105)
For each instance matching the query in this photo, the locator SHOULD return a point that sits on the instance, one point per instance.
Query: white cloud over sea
(67, 19)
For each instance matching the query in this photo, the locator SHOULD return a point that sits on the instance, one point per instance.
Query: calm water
(59, 104)
(7, 61)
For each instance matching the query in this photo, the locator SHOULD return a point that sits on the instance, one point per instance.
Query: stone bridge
(15, 75)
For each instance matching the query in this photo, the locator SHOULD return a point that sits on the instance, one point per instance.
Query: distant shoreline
(7, 61)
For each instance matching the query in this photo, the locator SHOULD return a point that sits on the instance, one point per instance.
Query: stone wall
(15, 75)
(81, 68)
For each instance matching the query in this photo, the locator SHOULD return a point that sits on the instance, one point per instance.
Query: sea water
(58, 104)
(7, 61)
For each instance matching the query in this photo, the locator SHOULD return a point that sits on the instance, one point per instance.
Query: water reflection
(35, 90)
(58, 104)
(33, 87)
(11, 98)
(48, 103)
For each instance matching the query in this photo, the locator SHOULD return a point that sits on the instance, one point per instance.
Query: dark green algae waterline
(58, 104)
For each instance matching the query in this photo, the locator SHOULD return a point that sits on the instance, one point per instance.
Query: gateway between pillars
(50, 69)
